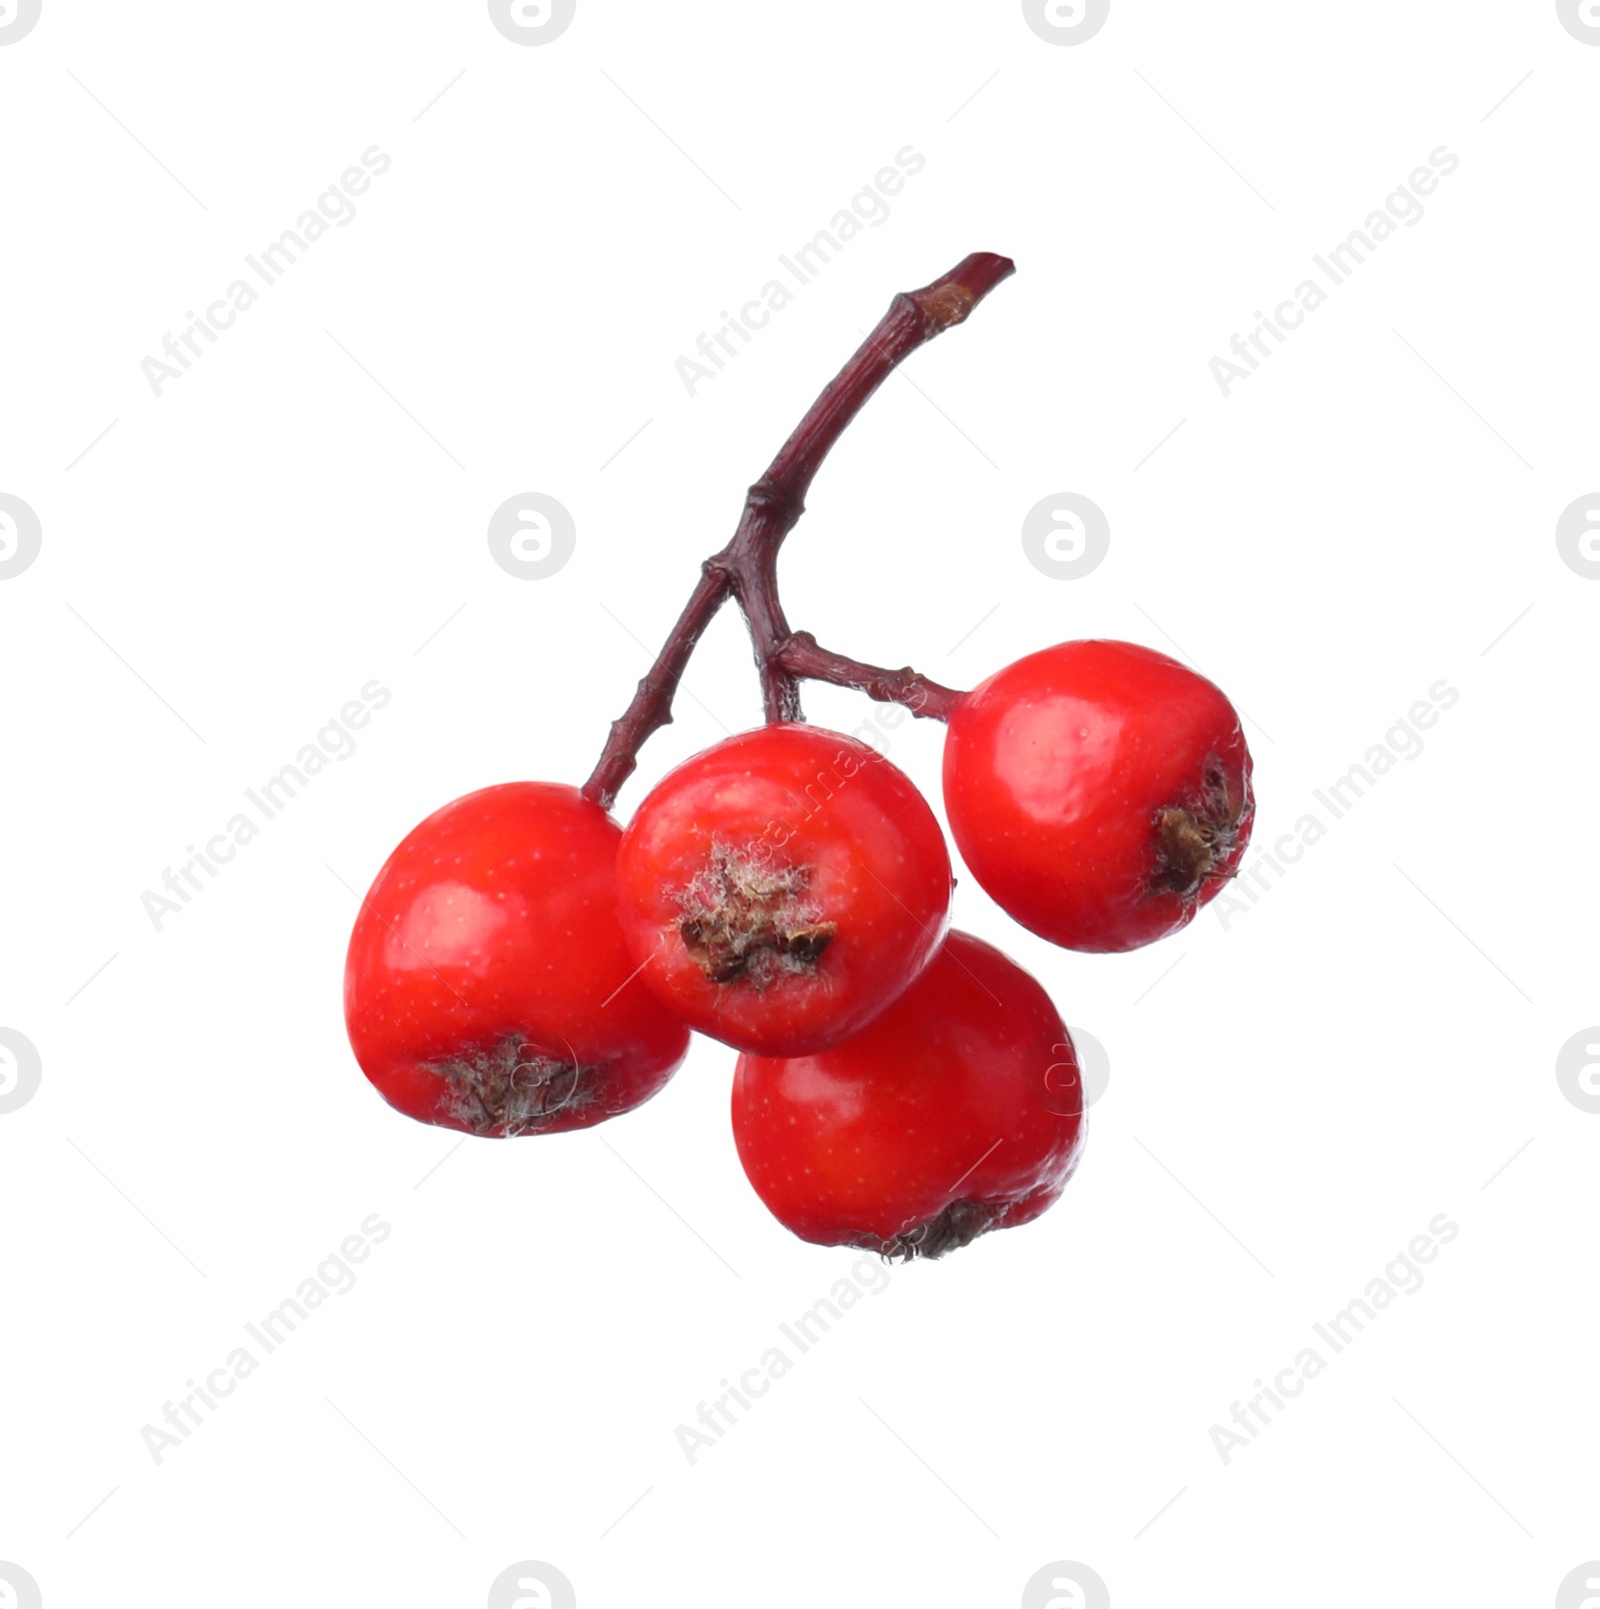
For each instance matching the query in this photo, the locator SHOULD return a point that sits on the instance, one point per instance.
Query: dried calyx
(958, 1225)
(1196, 838)
(746, 920)
(513, 1088)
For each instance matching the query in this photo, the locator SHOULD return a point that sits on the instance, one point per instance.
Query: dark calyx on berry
(958, 1225)
(512, 1088)
(1198, 837)
(746, 919)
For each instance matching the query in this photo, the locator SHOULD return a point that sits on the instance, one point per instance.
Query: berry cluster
(523, 965)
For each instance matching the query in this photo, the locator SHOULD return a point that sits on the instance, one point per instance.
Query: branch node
(945, 306)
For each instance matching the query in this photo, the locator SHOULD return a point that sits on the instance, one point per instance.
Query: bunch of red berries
(523, 965)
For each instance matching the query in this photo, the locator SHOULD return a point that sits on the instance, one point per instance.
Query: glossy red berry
(958, 1111)
(487, 986)
(781, 889)
(1099, 791)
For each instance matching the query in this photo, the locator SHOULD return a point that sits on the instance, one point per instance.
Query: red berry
(781, 889)
(958, 1111)
(1099, 791)
(487, 984)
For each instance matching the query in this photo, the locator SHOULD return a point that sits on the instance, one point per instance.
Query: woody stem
(747, 568)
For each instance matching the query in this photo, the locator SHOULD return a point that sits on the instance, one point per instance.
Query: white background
(227, 565)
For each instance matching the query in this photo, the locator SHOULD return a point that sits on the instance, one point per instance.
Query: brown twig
(747, 569)
(800, 656)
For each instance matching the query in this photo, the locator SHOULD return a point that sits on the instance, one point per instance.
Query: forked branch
(747, 568)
